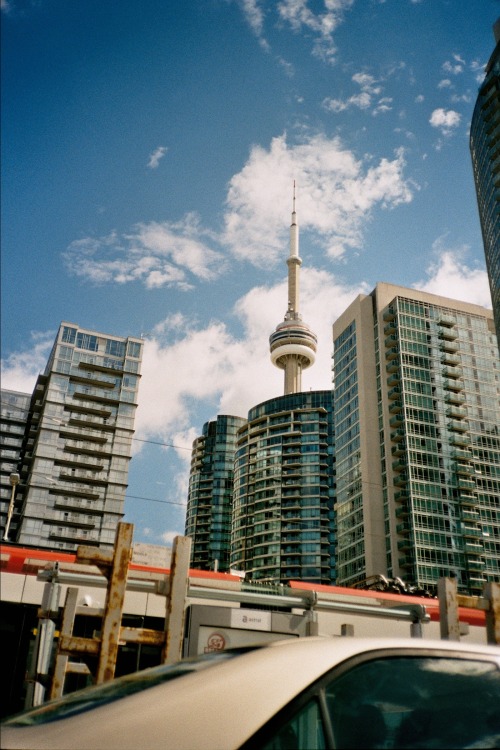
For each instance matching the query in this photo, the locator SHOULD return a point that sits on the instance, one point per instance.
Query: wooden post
(449, 622)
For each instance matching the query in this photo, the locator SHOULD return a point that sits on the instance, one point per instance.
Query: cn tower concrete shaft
(293, 344)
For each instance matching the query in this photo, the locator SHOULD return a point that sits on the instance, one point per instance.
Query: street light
(14, 481)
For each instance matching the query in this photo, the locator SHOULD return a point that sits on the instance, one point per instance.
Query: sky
(148, 157)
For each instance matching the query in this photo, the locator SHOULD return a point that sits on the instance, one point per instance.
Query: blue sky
(148, 155)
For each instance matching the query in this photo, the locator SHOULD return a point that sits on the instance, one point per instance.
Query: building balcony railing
(450, 359)
(466, 470)
(390, 327)
(452, 372)
(392, 365)
(398, 449)
(449, 347)
(472, 531)
(459, 439)
(467, 499)
(404, 544)
(401, 496)
(457, 426)
(448, 333)
(466, 484)
(392, 353)
(402, 511)
(454, 385)
(395, 392)
(470, 515)
(446, 321)
(389, 314)
(403, 528)
(396, 406)
(400, 464)
(456, 412)
(455, 398)
(397, 435)
(393, 379)
(397, 420)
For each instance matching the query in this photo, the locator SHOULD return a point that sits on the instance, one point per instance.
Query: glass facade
(435, 382)
(14, 414)
(77, 444)
(210, 497)
(485, 152)
(283, 504)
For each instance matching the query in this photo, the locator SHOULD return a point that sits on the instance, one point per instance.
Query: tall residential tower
(485, 152)
(77, 443)
(417, 440)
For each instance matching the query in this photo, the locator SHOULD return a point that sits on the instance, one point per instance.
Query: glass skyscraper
(283, 525)
(210, 498)
(485, 152)
(77, 444)
(14, 414)
(417, 440)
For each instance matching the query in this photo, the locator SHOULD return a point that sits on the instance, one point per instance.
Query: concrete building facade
(77, 444)
(417, 440)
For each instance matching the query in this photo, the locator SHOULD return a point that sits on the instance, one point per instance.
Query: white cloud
(336, 194)
(157, 254)
(419, 99)
(254, 15)
(21, 369)
(232, 373)
(444, 84)
(300, 16)
(367, 98)
(445, 119)
(454, 67)
(154, 158)
(450, 276)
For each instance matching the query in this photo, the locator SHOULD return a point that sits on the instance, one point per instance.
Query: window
(86, 341)
(304, 730)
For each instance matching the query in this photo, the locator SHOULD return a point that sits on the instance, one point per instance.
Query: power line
(153, 500)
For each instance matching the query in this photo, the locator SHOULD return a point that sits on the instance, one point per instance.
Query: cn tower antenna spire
(293, 344)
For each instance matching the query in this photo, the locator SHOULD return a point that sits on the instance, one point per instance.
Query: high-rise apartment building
(77, 443)
(417, 440)
(210, 497)
(14, 414)
(283, 525)
(485, 152)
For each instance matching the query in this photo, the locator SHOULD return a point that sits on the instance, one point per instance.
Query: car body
(313, 692)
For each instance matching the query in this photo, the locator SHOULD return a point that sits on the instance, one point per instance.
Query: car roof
(217, 707)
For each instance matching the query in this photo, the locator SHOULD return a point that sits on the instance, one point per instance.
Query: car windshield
(99, 695)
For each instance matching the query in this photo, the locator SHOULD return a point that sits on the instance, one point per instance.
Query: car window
(416, 702)
(304, 730)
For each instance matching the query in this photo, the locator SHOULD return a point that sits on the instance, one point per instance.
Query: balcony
(470, 515)
(450, 359)
(456, 412)
(453, 372)
(467, 499)
(393, 379)
(396, 421)
(465, 470)
(446, 321)
(389, 314)
(395, 392)
(391, 340)
(400, 464)
(406, 561)
(476, 564)
(453, 385)
(392, 353)
(396, 406)
(466, 484)
(457, 426)
(398, 449)
(460, 454)
(397, 436)
(392, 365)
(403, 528)
(450, 347)
(448, 334)
(474, 532)
(455, 398)
(401, 496)
(459, 440)
(390, 327)
(401, 479)
(402, 511)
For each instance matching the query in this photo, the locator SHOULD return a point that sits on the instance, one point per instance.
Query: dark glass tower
(485, 152)
(208, 518)
(283, 527)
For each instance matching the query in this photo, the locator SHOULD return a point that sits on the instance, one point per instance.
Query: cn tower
(293, 344)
